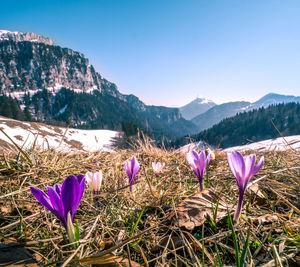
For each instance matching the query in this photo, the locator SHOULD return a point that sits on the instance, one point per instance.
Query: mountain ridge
(217, 113)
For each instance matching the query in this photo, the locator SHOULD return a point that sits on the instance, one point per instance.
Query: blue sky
(168, 52)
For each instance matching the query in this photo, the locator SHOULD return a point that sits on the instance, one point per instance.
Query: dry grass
(110, 227)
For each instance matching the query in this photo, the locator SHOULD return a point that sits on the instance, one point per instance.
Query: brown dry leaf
(108, 260)
(192, 211)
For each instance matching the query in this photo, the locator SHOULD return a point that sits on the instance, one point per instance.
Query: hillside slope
(251, 126)
(45, 137)
(217, 113)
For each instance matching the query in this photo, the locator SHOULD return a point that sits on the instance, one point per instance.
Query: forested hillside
(255, 125)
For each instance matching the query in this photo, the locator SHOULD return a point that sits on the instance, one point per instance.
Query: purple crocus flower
(198, 162)
(243, 168)
(131, 167)
(62, 199)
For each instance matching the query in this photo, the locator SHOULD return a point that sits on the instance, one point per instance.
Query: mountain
(273, 99)
(226, 110)
(56, 85)
(196, 107)
(217, 113)
(252, 126)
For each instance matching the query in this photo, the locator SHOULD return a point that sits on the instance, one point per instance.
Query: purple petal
(57, 188)
(135, 167)
(249, 166)
(127, 167)
(79, 197)
(57, 204)
(191, 159)
(54, 198)
(208, 158)
(259, 165)
(195, 156)
(69, 194)
(42, 198)
(237, 166)
(80, 177)
(201, 162)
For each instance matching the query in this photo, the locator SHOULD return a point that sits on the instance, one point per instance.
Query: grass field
(163, 222)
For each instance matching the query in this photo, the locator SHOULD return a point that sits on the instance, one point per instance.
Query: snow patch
(278, 144)
(58, 138)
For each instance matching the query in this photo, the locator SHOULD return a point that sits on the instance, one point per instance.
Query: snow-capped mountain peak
(203, 100)
(196, 107)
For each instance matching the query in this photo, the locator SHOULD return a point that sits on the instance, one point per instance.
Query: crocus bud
(157, 167)
(199, 163)
(131, 167)
(212, 153)
(94, 181)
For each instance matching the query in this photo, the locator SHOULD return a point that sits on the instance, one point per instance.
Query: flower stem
(201, 185)
(239, 207)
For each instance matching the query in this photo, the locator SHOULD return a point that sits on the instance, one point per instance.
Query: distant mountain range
(215, 114)
(47, 83)
(250, 126)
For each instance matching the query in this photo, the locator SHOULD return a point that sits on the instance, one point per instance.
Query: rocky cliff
(28, 66)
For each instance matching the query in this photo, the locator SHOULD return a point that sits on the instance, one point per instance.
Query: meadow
(162, 221)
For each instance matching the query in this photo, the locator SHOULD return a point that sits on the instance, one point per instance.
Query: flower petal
(80, 190)
(42, 198)
(135, 167)
(89, 177)
(80, 178)
(58, 208)
(69, 194)
(191, 159)
(258, 166)
(209, 156)
(201, 162)
(237, 166)
(249, 166)
(57, 188)
(127, 167)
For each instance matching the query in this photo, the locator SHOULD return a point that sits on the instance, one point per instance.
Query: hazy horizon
(168, 52)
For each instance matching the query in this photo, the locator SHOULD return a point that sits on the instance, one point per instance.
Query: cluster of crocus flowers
(199, 163)
(62, 200)
(157, 168)
(131, 167)
(243, 169)
(94, 180)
